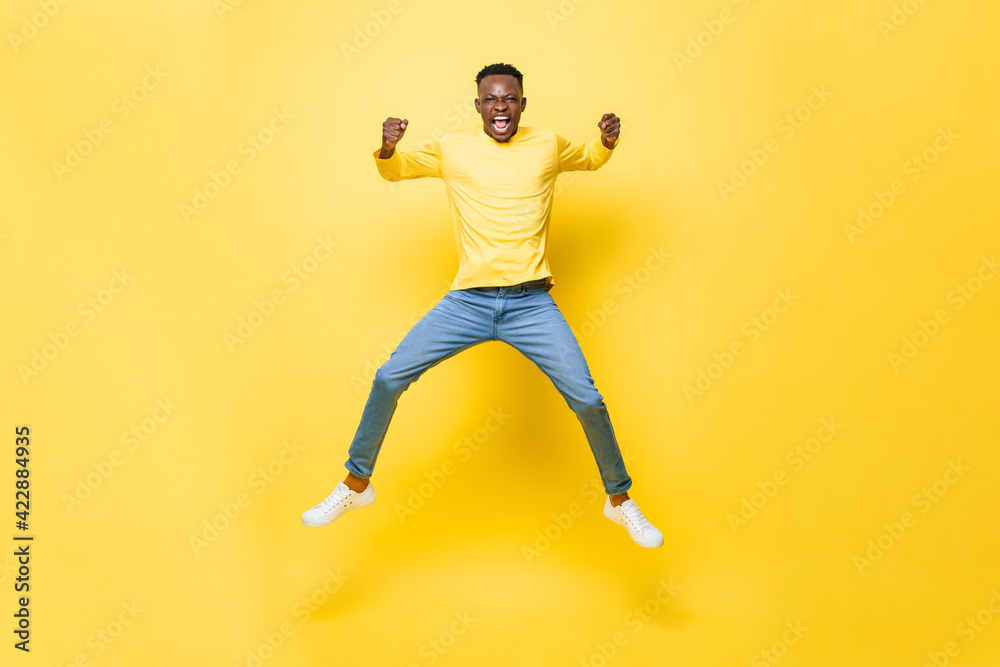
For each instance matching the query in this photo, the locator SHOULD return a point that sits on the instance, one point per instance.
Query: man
(499, 179)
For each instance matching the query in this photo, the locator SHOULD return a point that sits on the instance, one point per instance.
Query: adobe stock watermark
(797, 457)
(899, 17)
(779, 648)
(121, 108)
(88, 310)
(924, 501)
(417, 496)
(626, 287)
(301, 611)
(914, 167)
(752, 329)
(264, 309)
(958, 297)
(793, 121)
(635, 620)
(7, 568)
(967, 630)
(563, 11)
(131, 439)
(363, 380)
(224, 7)
(435, 647)
(453, 118)
(230, 511)
(364, 34)
(703, 39)
(592, 491)
(532, 210)
(247, 151)
(105, 637)
(32, 23)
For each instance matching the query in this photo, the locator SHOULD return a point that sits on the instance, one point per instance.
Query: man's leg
(533, 324)
(459, 321)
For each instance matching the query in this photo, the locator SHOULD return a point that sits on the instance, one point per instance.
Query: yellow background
(393, 587)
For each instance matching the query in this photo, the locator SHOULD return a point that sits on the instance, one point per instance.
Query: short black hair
(500, 68)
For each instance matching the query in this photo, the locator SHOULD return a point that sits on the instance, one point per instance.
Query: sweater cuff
(602, 152)
(389, 168)
(606, 149)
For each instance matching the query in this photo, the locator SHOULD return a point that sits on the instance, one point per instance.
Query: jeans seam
(498, 313)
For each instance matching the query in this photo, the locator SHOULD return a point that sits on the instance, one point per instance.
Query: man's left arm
(594, 153)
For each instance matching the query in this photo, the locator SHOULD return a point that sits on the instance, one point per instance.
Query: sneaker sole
(327, 523)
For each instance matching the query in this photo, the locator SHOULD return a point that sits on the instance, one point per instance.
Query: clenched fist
(392, 132)
(610, 126)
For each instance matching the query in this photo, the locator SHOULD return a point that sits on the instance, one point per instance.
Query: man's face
(500, 98)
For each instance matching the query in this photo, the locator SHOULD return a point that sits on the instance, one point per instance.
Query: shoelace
(334, 498)
(635, 517)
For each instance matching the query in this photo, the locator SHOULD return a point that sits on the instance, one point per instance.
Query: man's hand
(392, 132)
(610, 125)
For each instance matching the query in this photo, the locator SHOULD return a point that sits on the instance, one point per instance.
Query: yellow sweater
(500, 194)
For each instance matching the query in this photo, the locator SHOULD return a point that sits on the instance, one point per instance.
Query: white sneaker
(341, 500)
(627, 514)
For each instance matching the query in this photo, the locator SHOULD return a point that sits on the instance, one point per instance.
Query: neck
(499, 141)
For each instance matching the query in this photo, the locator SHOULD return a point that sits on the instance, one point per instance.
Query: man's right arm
(396, 165)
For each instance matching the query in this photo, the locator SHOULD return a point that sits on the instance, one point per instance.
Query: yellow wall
(807, 400)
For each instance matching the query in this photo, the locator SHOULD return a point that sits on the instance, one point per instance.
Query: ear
(524, 103)
(478, 110)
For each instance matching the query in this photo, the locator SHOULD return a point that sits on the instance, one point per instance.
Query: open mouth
(501, 123)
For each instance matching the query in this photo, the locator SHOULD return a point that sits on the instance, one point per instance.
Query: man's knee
(589, 404)
(387, 380)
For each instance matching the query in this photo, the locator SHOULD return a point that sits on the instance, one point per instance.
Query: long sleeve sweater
(500, 195)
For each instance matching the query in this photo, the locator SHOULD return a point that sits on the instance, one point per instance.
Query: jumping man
(499, 179)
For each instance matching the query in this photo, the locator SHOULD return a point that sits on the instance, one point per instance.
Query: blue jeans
(523, 316)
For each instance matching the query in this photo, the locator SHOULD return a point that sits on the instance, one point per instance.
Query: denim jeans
(523, 316)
